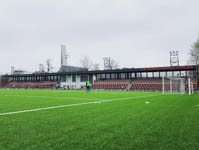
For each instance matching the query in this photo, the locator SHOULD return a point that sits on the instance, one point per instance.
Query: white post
(192, 87)
(189, 86)
(163, 85)
(170, 85)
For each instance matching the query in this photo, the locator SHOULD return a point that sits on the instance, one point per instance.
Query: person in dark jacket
(88, 84)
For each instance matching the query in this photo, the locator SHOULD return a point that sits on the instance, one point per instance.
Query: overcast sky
(136, 33)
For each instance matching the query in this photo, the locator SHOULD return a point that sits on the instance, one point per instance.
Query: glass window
(74, 78)
(107, 76)
(143, 74)
(133, 75)
(83, 78)
(103, 76)
(138, 74)
(176, 73)
(55, 77)
(63, 78)
(98, 76)
(162, 74)
(113, 76)
(183, 73)
(122, 75)
(190, 73)
(150, 74)
(169, 74)
(156, 74)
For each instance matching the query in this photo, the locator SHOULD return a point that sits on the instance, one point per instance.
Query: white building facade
(75, 81)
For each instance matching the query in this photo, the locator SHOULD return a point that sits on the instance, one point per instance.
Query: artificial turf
(167, 122)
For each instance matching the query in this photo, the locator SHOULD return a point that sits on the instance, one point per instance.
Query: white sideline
(70, 105)
(50, 97)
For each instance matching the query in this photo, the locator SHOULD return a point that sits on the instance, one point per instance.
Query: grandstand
(143, 79)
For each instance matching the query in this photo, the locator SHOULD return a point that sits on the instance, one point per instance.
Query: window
(113, 76)
(156, 75)
(103, 76)
(169, 74)
(122, 75)
(133, 75)
(143, 75)
(98, 76)
(55, 77)
(107, 76)
(83, 78)
(162, 74)
(74, 78)
(176, 73)
(138, 75)
(183, 73)
(150, 75)
(63, 78)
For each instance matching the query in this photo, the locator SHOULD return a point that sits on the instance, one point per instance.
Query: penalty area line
(70, 105)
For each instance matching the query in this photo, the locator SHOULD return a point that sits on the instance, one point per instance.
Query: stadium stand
(110, 84)
(147, 84)
(143, 79)
(33, 85)
(141, 84)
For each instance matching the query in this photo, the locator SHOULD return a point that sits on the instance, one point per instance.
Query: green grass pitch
(121, 121)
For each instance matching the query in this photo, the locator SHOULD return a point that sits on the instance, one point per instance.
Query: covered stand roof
(125, 70)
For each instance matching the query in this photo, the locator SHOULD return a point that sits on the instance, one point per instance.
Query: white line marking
(50, 97)
(70, 105)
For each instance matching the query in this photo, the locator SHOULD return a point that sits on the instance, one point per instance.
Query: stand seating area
(34, 85)
(149, 84)
(110, 84)
(194, 84)
(142, 84)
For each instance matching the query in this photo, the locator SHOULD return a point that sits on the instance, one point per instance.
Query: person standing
(88, 84)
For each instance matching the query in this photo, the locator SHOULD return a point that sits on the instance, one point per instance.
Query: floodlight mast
(64, 56)
(174, 58)
(107, 63)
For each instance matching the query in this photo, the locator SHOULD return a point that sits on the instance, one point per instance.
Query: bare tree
(86, 62)
(194, 53)
(110, 64)
(114, 64)
(95, 67)
(194, 57)
(41, 68)
(49, 66)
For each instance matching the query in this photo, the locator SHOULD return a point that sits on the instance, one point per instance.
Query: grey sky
(136, 33)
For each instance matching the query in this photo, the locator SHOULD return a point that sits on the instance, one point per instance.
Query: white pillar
(192, 88)
(189, 86)
(171, 86)
(163, 85)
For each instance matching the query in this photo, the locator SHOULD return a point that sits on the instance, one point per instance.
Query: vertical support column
(171, 86)
(192, 88)
(189, 86)
(163, 85)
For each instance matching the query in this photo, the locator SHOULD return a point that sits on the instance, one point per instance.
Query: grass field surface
(101, 120)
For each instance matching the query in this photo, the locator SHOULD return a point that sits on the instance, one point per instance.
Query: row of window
(147, 75)
(39, 78)
(167, 73)
(84, 78)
